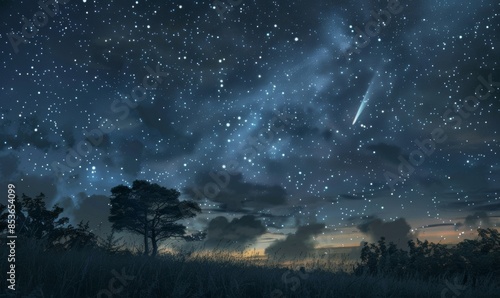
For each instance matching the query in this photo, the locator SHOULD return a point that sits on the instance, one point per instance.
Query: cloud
(95, 210)
(327, 135)
(431, 183)
(153, 117)
(397, 231)
(387, 152)
(484, 200)
(10, 166)
(456, 226)
(104, 143)
(364, 218)
(132, 152)
(473, 179)
(477, 219)
(440, 225)
(488, 206)
(350, 197)
(17, 134)
(68, 135)
(34, 185)
(234, 234)
(274, 220)
(295, 245)
(237, 194)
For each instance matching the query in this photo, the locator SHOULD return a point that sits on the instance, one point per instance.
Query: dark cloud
(487, 206)
(296, 245)
(23, 131)
(307, 127)
(9, 166)
(274, 220)
(477, 219)
(237, 194)
(439, 225)
(472, 179)
(155, 117)
(365, 218)
(131, 158)
(34, 185)
(108, 161)
(234, 234)
(68, 136)
(304, 130)
(327, 135)
(431, 183)
(397, 231)
(481, 201)
(94, 209)
(101, 143)
(350, 197)
(275, 168)
(387, 152)
(455, 226)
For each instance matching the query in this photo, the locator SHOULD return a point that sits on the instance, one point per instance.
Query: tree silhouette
(111, 243)
(150, 210)
(71, 237)
(39, 222)
(3, 218)
(35, 221)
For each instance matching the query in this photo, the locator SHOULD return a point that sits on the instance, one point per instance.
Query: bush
(474, 258)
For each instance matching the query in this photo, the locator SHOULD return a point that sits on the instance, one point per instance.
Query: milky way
(108, 92)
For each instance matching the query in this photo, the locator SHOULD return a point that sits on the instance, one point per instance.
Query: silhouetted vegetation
(56, 259)
(35, 221)
(150, 210)
(479, 257)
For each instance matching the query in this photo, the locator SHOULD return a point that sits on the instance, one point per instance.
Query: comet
(365, 100)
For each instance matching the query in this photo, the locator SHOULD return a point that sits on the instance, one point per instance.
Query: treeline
(34, 221)
(423, 259)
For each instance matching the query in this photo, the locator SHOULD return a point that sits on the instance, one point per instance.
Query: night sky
(301, 111)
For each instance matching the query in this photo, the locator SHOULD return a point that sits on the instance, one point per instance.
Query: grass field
(95, 273)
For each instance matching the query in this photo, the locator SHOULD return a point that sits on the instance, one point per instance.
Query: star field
(171, 92)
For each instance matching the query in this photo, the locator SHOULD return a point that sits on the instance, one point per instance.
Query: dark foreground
(97, 273)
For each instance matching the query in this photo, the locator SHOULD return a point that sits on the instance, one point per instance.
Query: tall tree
(150, 210)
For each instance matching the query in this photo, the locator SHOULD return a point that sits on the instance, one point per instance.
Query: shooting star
(365, 100)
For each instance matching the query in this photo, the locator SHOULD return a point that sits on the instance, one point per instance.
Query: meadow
(101, 272)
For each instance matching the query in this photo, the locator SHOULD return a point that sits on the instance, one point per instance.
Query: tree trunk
(146, 246)
(154, 242)
(146, 242)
